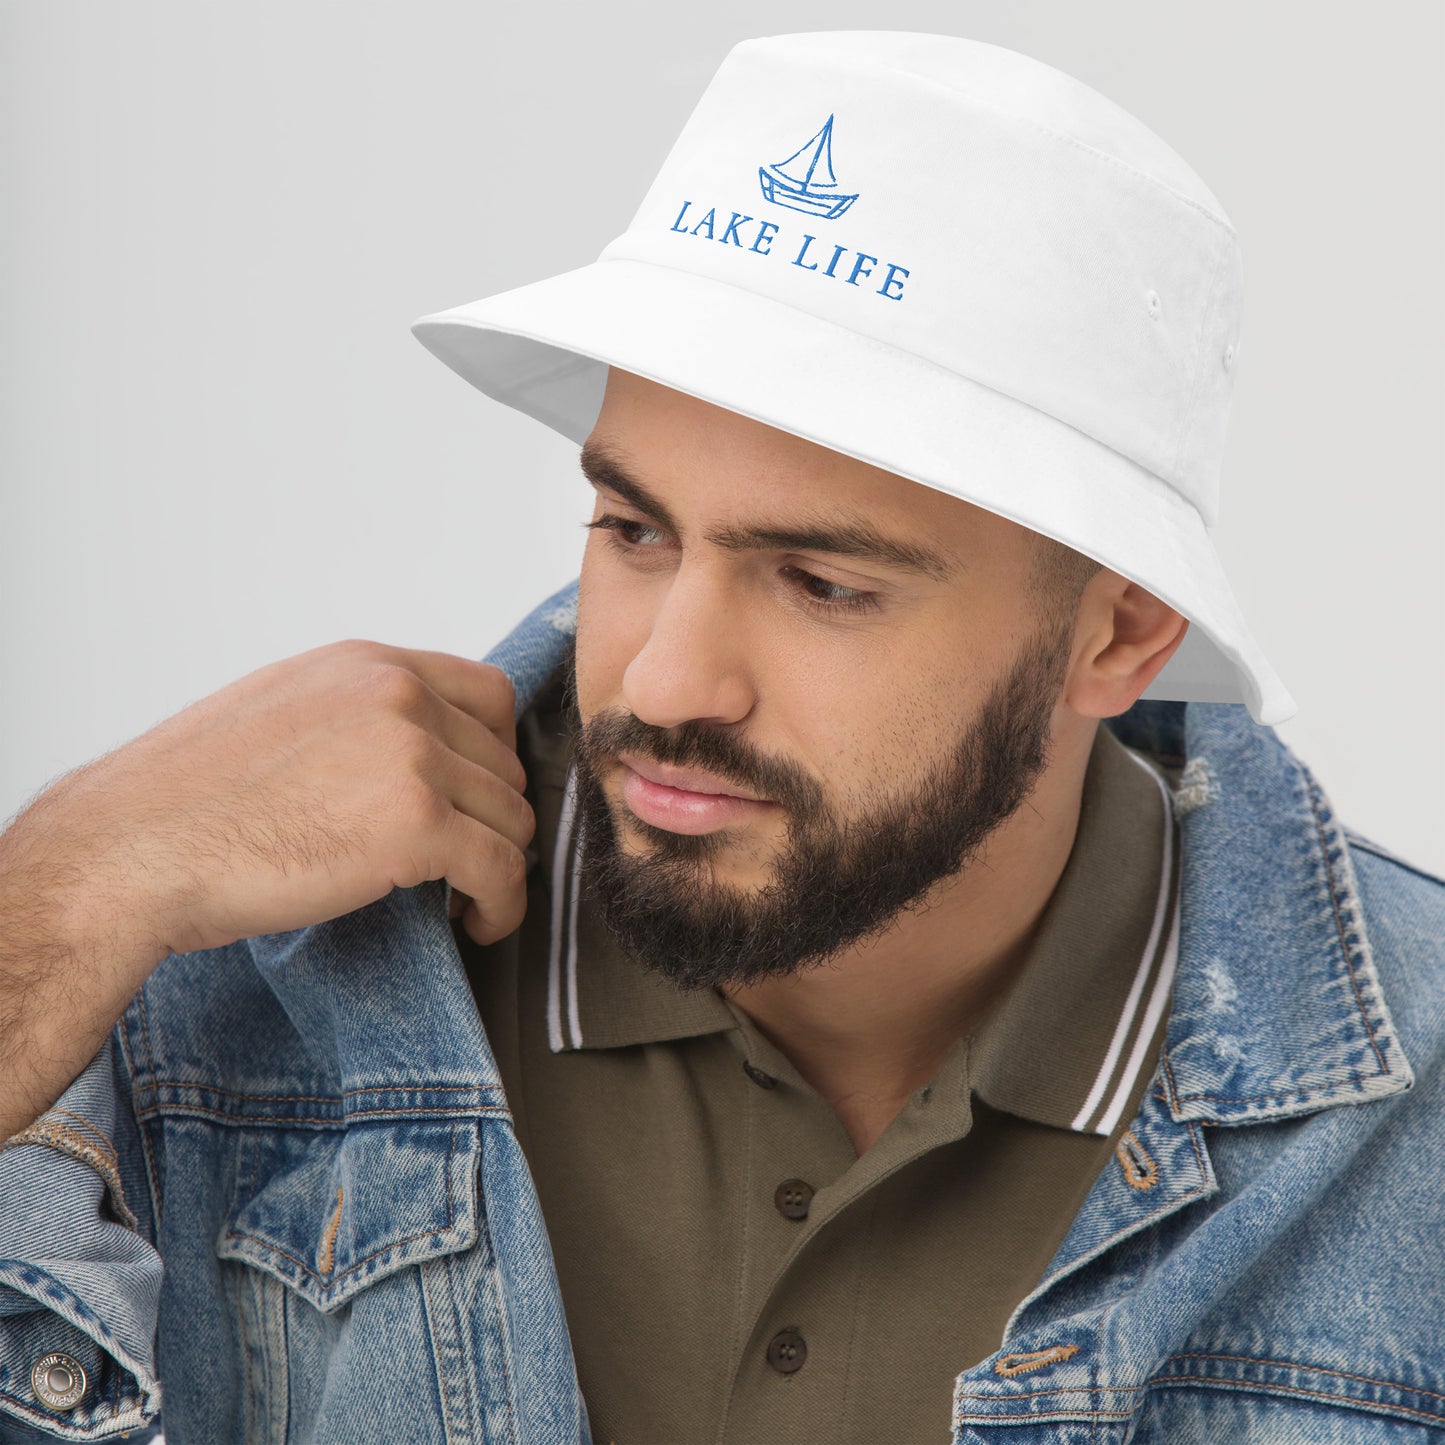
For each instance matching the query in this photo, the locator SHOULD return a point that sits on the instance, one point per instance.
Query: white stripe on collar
(1164, 905)
(561, 857)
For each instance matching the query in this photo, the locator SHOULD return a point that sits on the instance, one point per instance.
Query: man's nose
(693, 666)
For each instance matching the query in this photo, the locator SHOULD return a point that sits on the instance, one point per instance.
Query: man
(808, 1008)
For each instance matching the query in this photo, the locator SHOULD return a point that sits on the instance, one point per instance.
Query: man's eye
(832, 596)
(625, 532)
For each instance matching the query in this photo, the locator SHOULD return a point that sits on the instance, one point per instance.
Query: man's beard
(837, 880)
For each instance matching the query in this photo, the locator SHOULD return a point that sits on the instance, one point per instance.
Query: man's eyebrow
(843, 536)
(603, 469)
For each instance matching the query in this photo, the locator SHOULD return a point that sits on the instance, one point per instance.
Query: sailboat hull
(827, 204)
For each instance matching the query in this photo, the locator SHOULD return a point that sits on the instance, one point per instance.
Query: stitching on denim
(1022, 1364)
(322, 1098)
(1196, 1139)
(247, 1286)
(1140, 1170)
(89, 1127)
(1176, 1098)
(1312, 1369)
(75, 1144)
(1043, 1419)
(1214, 1383)
(1302, 1095)
(272, 1248)
(1339, 922)
(326, 1256)
(145, 1023)
(339, 1122)
(147, 1142)
(451, 1155)
(1059, 1390)
(455, 1385)
(150, 1068)
(1173, 1099)
(1258, 1386)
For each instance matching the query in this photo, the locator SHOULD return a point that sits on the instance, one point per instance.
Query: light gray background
(220, 445)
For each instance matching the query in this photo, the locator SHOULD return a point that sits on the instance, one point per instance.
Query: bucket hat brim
(544, 349)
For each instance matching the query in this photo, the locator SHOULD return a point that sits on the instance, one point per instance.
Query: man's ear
(1123, 637)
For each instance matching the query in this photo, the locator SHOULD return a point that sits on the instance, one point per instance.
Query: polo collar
(1088, 1000)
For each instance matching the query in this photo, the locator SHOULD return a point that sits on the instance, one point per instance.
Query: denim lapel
(1277, 1007)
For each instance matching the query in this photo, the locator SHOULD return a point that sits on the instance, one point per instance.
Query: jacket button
(792, 1197)
(786, 1351)
(762, 1080)
(58, 1380)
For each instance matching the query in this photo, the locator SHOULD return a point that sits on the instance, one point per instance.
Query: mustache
(700, 745)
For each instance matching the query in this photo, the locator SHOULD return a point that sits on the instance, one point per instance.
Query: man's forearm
(72, 954)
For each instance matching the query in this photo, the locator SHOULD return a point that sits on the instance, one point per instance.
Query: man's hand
(303, 791)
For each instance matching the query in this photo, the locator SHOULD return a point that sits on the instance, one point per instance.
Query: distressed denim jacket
(309, 1130)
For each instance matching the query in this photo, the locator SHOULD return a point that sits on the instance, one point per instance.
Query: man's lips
(685, 780)
(683, 800)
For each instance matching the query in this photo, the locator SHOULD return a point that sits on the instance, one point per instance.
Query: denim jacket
(309, 1129)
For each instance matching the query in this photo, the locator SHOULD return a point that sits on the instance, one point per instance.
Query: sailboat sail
(805, 180)
(816, 148)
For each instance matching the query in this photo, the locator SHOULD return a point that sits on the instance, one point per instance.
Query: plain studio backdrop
(220, 445)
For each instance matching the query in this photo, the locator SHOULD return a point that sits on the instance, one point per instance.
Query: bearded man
(857, 965)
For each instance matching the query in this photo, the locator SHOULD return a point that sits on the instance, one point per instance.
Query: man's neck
(871, 1026)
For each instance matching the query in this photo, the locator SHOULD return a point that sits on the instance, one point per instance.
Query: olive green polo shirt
(730, 1267)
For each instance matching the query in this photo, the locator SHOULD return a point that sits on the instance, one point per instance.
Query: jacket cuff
(77, 1277)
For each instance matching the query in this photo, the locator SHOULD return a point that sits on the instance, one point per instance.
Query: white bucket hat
(948, 260)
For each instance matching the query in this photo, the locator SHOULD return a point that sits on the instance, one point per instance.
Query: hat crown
(1011, 83)
(974, 207)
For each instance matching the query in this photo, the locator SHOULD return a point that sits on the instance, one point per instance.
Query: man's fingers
(476, 743)
(475, 688)
(493, 873)
(482, 796)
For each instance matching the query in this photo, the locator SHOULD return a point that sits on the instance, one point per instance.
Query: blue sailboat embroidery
(805, 181)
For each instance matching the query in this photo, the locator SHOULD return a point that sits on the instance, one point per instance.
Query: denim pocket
(328, 1212)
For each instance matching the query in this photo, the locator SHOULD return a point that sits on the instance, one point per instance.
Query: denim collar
(1277, 1007)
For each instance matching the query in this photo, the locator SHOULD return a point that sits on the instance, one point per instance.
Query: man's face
(808, 690)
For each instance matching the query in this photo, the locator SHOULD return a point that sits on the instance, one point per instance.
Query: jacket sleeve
(80, 1276)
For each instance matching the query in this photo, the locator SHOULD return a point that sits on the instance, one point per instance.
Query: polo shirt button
(792, 1197)
(58, 1380)
(762, 1080)
(786, 1351)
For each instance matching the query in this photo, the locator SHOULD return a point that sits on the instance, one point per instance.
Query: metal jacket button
(58, 1380)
